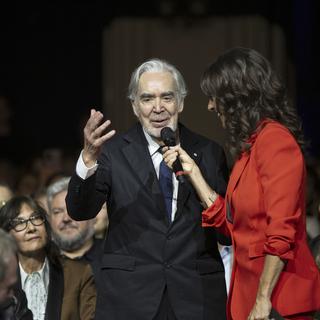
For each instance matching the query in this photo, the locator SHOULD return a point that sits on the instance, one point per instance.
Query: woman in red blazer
(264, 208)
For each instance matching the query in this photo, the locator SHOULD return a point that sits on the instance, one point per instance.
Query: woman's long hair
(246, 91)
(11, 210)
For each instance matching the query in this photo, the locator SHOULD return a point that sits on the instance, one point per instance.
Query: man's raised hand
(94, 136)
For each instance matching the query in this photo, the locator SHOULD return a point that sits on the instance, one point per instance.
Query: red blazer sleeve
(214, 216)
(280, 166)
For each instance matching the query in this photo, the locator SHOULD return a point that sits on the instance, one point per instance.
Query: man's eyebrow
(167, 93)
(146, 95)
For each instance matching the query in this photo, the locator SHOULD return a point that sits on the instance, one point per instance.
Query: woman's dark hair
(12, 209)
(246, 91)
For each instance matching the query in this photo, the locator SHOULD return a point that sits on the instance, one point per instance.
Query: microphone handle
(178, 171)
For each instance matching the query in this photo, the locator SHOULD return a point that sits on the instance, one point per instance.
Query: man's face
(10, 279)
(67, 233)
(156, 104)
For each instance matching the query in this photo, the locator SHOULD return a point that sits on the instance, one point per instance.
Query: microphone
(169, 139)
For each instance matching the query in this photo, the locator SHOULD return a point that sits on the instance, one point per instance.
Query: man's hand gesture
(94, 136)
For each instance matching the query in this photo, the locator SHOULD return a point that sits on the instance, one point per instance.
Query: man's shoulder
(188, 136)
(123, 138)
(71, 266)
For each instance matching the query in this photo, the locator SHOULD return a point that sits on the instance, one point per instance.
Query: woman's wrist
(205, 192)
(213, 196)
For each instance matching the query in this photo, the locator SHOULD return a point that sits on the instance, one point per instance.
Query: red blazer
(264, 211)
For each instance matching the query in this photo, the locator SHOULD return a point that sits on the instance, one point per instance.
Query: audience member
(56, 288)
(75, 239)
(8, 266)
(13, 302)
(27, 184)
(41, 197)
(5, 194)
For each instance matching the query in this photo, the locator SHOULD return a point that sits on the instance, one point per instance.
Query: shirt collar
(152, 145)
(44, 273)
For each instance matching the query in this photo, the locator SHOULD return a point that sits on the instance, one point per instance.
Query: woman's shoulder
(275, 141)
(272, 132)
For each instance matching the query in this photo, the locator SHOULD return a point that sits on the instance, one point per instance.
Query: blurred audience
(13, 302)
(8, 172)
(41, 197)
(8, 266)
(27, 184)
(312, 202)
(56, 288)
(5, 116)
(5, 194)
(315, 249)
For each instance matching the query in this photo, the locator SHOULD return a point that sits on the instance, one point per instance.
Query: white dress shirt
(226, 253)
(84, 172)
(35, 285)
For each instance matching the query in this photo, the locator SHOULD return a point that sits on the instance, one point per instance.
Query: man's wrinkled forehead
(150, 80)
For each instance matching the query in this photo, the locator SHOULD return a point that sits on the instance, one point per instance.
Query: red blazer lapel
(236, 173)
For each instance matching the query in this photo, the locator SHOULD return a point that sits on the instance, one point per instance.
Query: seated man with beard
(74, 238)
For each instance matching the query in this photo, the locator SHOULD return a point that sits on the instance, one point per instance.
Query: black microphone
(169, 139)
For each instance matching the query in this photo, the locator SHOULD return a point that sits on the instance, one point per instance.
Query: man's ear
(180, 108)
(135, 109)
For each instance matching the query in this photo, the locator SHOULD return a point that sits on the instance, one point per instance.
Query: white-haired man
(158, 262)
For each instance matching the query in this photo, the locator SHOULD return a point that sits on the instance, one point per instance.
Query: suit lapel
(236, 173)
(137, 154)
(233, 181)
(188, 142)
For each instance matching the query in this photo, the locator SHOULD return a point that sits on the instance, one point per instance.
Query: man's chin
(155, 132)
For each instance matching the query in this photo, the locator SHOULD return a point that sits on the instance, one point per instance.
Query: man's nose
(65, 216)
(157, 104)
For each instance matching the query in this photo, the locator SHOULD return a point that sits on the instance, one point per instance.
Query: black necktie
(165, 180)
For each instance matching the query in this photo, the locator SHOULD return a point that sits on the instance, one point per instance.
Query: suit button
(169, 237)
(167, 265)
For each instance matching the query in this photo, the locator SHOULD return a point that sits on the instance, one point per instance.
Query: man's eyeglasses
(19, 224)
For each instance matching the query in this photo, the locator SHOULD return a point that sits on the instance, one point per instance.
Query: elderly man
(158, 262)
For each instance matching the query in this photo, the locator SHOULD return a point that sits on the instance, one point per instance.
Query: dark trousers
(165, 311)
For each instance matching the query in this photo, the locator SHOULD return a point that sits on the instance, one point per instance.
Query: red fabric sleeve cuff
(280, 248)
(209, 218)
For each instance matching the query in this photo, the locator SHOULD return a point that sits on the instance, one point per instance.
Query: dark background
(50, 61)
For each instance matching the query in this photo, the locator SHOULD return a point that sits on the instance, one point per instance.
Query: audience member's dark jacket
(16, 308)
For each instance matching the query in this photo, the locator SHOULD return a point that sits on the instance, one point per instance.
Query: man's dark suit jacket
(143, 252)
